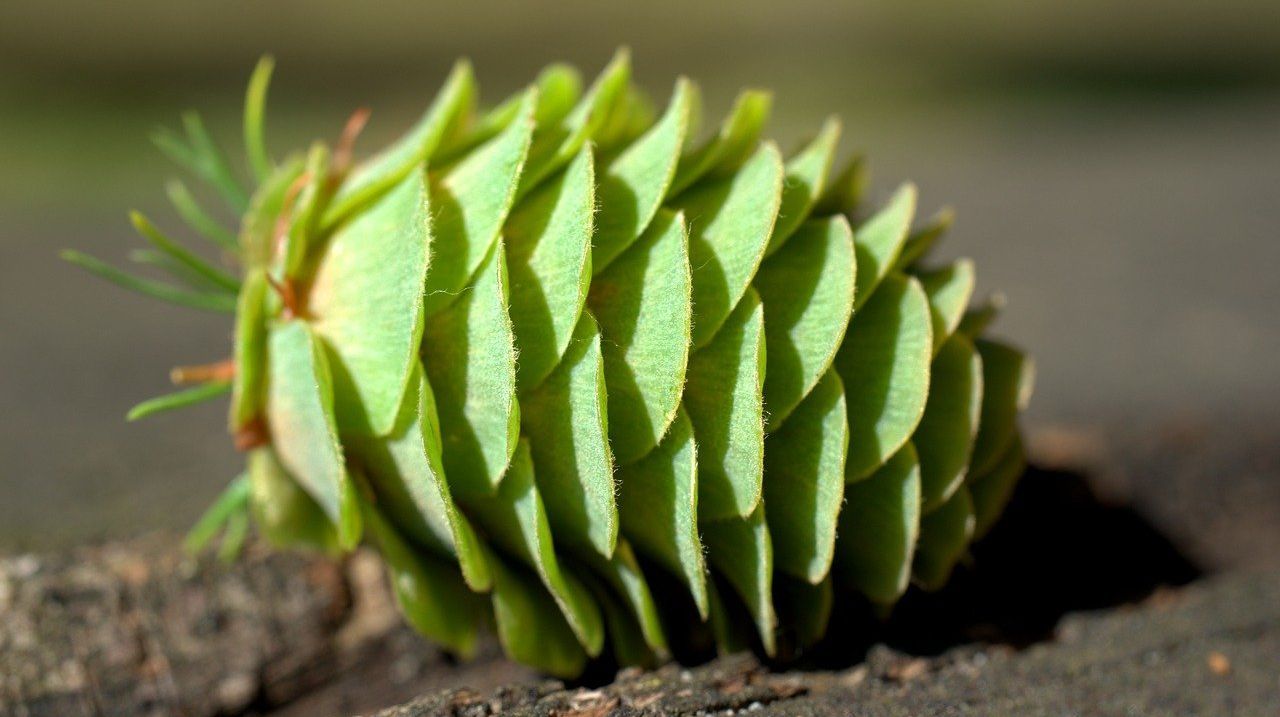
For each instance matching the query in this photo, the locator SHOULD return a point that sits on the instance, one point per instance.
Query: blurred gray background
(1115, 167)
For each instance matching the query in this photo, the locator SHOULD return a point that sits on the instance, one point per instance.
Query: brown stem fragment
(223, 370)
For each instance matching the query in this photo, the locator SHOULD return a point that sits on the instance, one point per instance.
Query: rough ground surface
(1209, 650)
(1151, 587)
(137, 628)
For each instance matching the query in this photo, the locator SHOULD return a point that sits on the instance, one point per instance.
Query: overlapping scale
(550, 353)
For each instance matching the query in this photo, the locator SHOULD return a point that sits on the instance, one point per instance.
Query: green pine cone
(537, 354)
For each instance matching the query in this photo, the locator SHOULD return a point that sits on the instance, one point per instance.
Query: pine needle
(195, 216)
(255, 101)
(181, 254)
(234, 499)
(221, 303)
(179, 399)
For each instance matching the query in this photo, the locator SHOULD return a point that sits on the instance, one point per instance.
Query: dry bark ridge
(138, 628)
(135, 628)
(275, 644)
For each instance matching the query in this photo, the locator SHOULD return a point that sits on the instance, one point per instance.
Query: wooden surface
(1211, 649)
(1149, 584)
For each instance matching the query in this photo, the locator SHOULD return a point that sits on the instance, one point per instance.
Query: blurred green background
(1115, 166)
